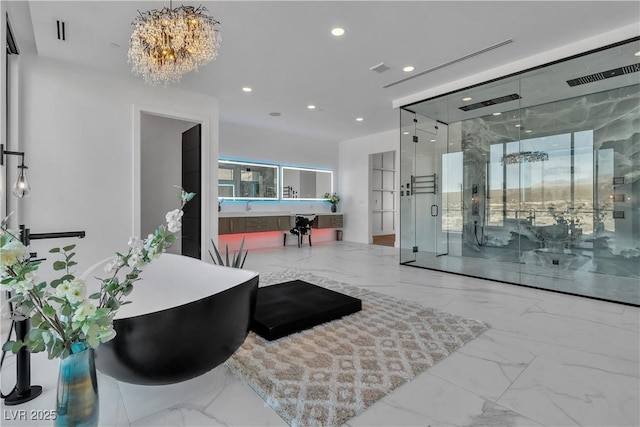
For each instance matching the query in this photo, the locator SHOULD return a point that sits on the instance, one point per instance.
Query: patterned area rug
(325, 375)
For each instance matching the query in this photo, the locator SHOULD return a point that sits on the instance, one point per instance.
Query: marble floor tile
(565, 394)
(432, 401)
(549, 359)
(484, 367)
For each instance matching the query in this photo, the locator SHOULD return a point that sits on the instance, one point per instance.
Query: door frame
(205, 165)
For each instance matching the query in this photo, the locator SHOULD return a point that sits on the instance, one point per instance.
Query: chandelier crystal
(168, 43)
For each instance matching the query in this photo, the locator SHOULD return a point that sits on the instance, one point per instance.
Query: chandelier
(524, 156)
(168, 43)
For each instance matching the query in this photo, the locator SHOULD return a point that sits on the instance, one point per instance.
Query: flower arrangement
(332, 198)
(64, 319)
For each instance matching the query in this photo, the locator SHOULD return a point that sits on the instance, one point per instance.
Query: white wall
(354, 181)
(79, 130)
(161, 170)
(249, 143)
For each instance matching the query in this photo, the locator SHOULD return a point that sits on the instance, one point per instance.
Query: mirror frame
(279, 178)
(306, 169)
(254, 164)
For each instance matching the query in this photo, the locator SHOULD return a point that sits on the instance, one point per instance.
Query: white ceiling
(285, 52)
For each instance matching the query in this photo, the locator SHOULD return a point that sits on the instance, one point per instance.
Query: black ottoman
(294, 306)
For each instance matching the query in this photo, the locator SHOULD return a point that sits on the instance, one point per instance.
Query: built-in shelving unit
(383, 193)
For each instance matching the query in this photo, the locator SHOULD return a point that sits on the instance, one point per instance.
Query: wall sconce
(21, 188)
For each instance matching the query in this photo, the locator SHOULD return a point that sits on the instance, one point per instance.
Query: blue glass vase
(77, 400)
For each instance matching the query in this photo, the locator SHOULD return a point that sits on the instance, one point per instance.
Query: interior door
(191, 182)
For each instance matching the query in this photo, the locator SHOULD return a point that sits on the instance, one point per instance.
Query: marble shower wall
(601, 236)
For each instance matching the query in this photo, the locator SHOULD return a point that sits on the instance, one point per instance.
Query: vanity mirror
(306, 183)
(244, 180)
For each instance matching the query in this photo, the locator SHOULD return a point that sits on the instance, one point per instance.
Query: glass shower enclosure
(533, 179)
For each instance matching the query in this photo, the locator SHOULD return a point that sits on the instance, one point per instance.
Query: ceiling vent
(489, 102)
(62, 31)
(380, 68)
(604, 75)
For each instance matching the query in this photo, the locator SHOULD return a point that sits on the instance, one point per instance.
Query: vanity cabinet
(253, 224)
(282, 223)
(328, 221)
(231, 225)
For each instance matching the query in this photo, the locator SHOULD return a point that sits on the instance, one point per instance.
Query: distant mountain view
(536, 201)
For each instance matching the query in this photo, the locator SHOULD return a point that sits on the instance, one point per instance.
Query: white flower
(136, 260)
(84, 310)
(173, 220)
(174, 226)
(73, 290)
(174, 215)
(13, 252)
(63, 288)
(135, 243)
(23, 286)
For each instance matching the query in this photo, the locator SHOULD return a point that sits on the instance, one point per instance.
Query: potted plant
(66, 322)
(333, 199)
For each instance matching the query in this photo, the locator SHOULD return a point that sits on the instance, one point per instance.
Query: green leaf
(36, 320)
(71, 263)
(48, 310)
(17, 298)
(54, 250)
(170, 238)
(103, 321)
(56, 282)
(8, 346)
(17, 345)
(113, 304)
(94, 296)
(215, 248)
(68, 248)
(71, 255)
(66, 310)
(59, 265)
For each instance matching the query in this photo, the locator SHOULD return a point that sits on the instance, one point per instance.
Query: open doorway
(166, 161)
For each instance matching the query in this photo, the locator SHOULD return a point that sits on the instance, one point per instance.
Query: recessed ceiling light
(359, 119)
(275, 114)
(337, 31)
(408, 69)
(433, 140)
(497, 114)
(637, 53)
(517, 125)
(311, 107)
(405, 133)
(467, 98)
(246, 89)
(528, 131)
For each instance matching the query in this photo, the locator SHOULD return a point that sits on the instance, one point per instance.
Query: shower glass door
(423, 146)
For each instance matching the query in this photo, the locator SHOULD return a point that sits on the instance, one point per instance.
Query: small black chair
(302, 228)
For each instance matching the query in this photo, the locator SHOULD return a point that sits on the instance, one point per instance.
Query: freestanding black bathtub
(186, 318)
